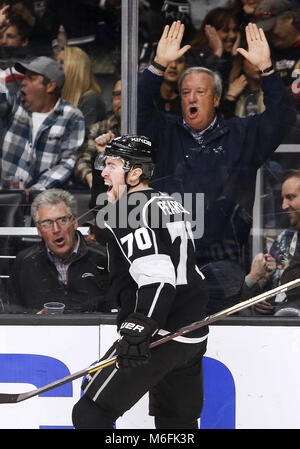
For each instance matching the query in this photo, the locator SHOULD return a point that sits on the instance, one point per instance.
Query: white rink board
(264, 363)
(75, 346)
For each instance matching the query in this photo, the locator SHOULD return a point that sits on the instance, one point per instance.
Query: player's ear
(134, 175)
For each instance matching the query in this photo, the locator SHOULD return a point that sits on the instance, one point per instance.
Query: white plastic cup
(53, 308)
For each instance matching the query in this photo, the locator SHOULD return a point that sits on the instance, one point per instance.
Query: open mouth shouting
(192, 111)
(60, 242)
(109, 187)
(110, 192)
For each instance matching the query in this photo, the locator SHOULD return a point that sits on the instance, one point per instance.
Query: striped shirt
(49, 159)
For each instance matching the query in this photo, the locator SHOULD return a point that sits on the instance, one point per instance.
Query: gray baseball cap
(44, 66)
(267, 11)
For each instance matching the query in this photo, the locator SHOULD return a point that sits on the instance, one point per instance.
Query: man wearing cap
(267, 11)
(281, 23)
(43, 132)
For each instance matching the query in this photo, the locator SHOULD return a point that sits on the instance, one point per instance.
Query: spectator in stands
(244, 96)
(169, 99)
(153, 16)
(284, 250)
(178, 10)
(86, 156)
(202, 153)
(214, 45)
(198, 10)
(81, 87)
(259, 279)
(29, 22)
(14, 32)
(15, 44)
(64, 267)
(267, 12)
(283, 31)
(244, 10)
(44, 132)
(285, 39)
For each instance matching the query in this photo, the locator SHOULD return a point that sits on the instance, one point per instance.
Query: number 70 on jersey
(179, 241)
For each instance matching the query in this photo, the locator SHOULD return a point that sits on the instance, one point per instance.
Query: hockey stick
(11, 398)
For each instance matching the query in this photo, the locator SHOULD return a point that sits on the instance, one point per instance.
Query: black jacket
(223, 166)
(34, 280)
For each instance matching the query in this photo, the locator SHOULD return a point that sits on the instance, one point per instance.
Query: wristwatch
(159, 66)
(267, 70)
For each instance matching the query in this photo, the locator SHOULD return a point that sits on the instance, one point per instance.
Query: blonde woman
(81, 88)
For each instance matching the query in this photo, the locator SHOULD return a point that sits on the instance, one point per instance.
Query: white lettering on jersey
(171, 207)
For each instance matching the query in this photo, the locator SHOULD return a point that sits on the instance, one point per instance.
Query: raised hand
(258, 48)
(168, 48)
(102, 140)
(236, 87)
(214, 41)
(4, 22)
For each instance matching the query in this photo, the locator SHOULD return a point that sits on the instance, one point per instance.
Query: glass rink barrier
(251, 366)
(251, 371)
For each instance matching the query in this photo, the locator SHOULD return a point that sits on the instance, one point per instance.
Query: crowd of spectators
(60, 102)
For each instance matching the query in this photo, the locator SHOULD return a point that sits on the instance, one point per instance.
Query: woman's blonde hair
(80, 79)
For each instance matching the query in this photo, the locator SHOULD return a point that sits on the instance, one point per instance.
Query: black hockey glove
(133, 346)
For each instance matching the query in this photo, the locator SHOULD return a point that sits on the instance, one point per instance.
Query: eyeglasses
(62, 222)
(116, 93)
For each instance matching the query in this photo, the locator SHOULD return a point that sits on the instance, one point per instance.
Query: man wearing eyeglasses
(64, 267)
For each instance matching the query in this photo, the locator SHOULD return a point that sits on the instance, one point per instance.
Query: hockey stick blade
(7, 398)
(12, 398)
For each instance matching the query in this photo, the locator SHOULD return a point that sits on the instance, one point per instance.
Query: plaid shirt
(51, 158)
(88, 151)
(62, 265)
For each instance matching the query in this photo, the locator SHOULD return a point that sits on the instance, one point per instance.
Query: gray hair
(53, 197)
(217, 80)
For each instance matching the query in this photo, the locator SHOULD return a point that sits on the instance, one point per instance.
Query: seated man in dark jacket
(64, 267)
(210, 161)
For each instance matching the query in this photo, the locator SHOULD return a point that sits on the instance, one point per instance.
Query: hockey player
(158, 289)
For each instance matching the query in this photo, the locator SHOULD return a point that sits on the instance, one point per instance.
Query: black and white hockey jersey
(152, 261)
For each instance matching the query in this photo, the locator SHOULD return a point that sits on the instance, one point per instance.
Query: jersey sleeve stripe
(155, 299)
(155, 268)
